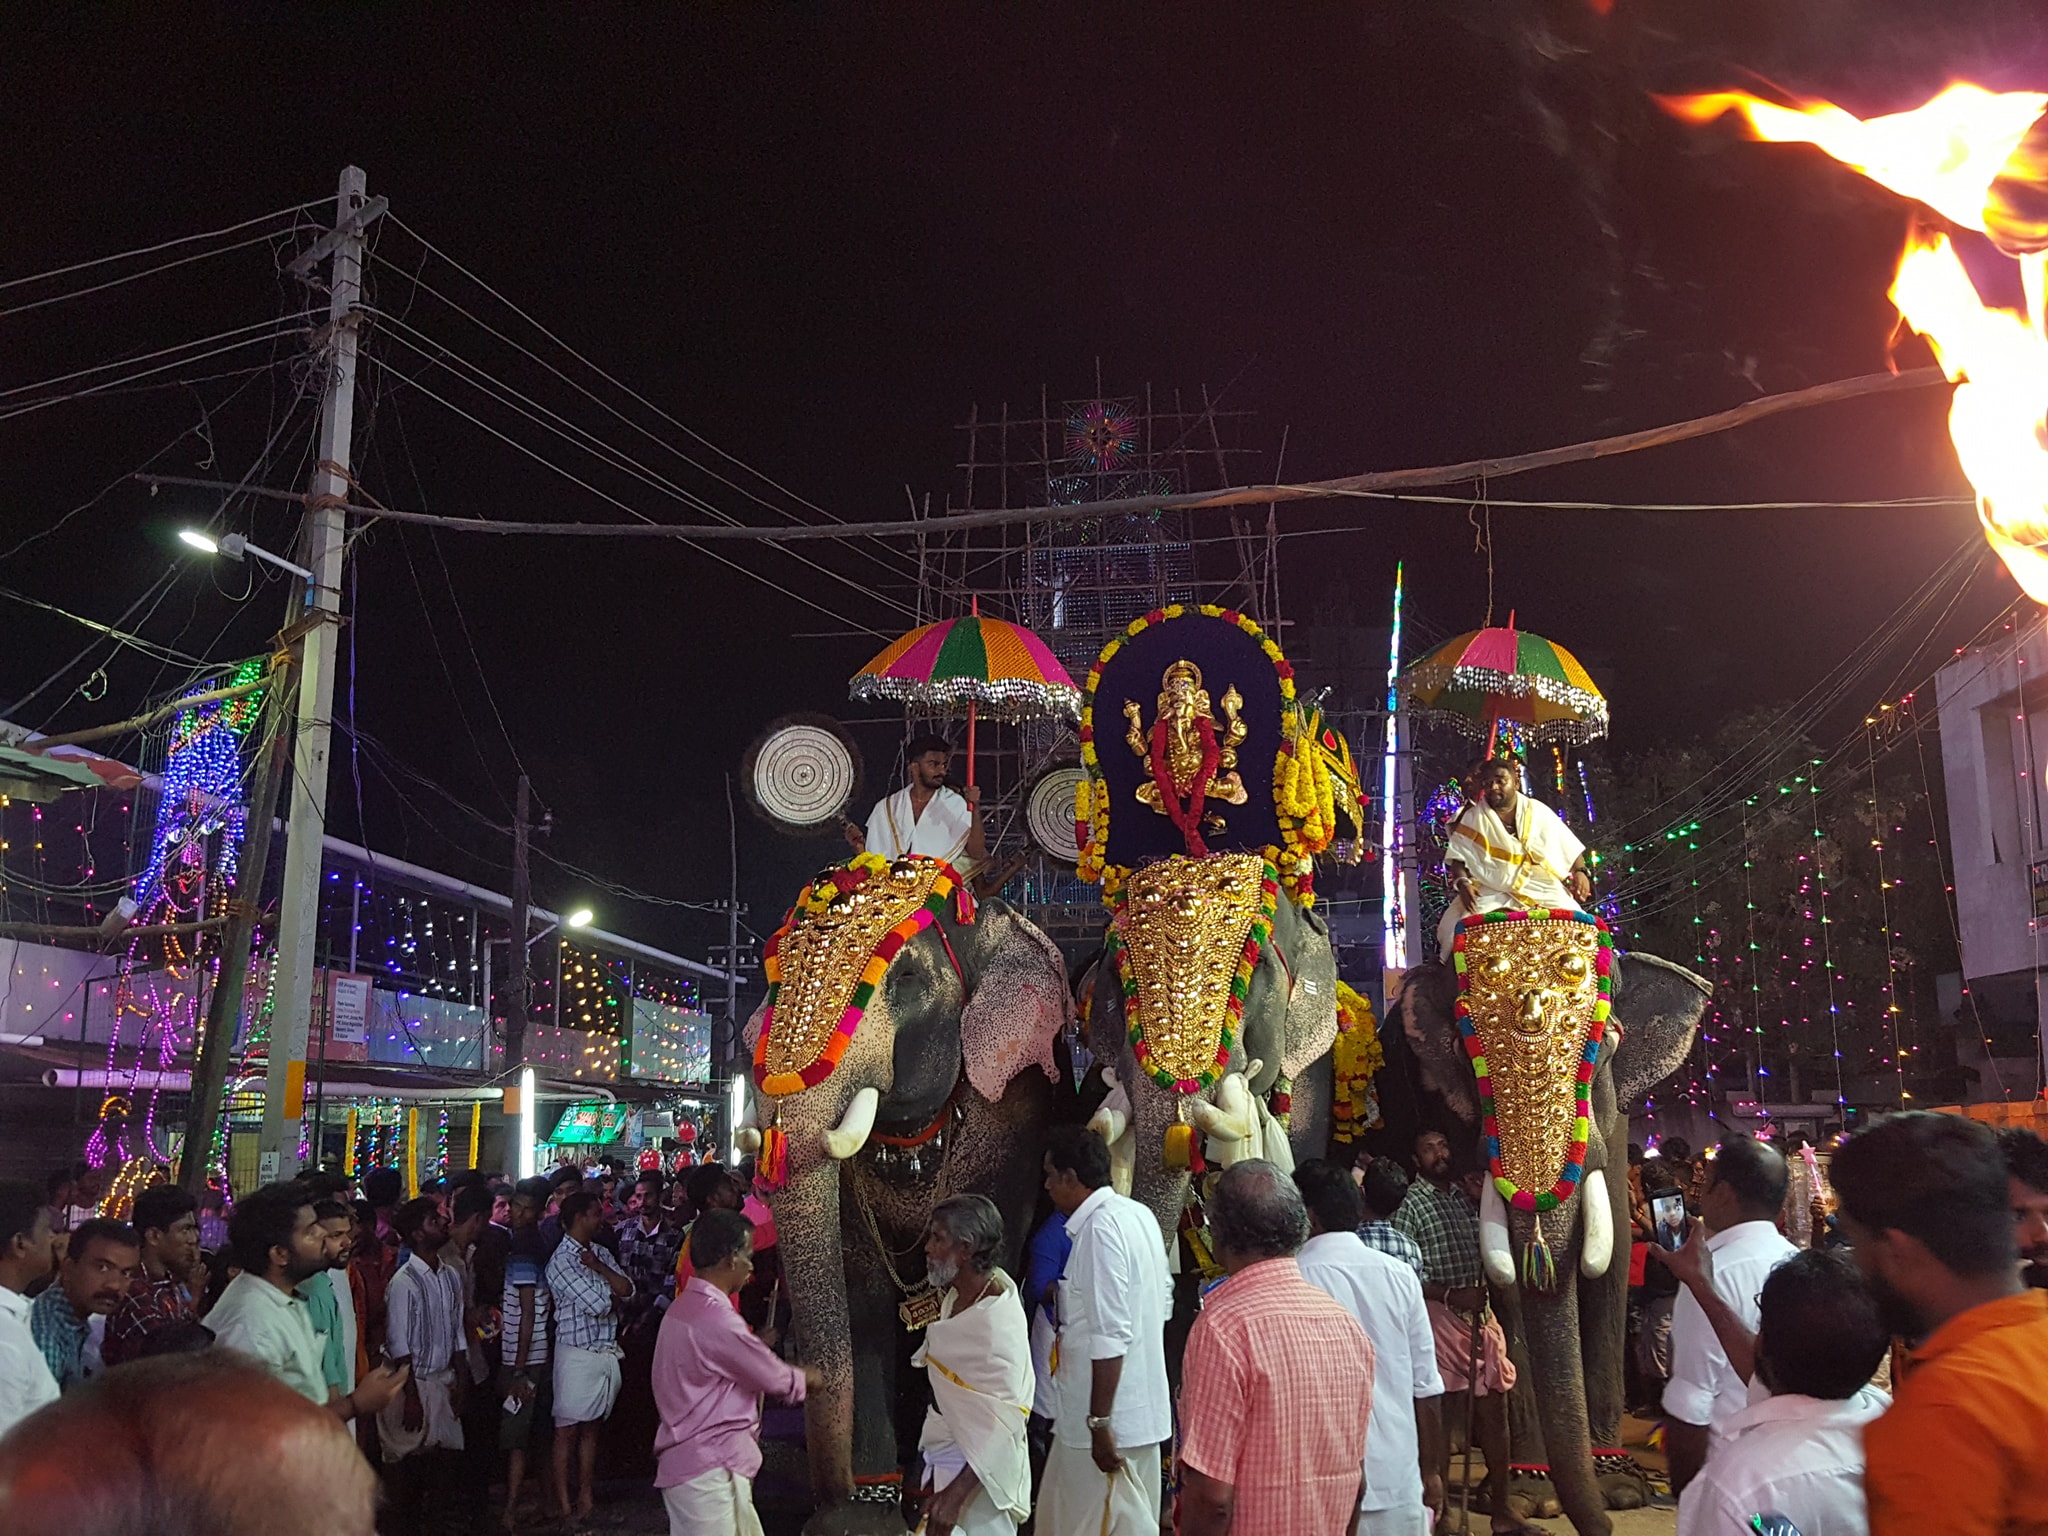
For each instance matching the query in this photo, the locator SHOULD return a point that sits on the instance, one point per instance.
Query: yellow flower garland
(1356, 1058)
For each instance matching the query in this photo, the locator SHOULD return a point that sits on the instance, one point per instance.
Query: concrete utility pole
(284, 1093)
(522, 899)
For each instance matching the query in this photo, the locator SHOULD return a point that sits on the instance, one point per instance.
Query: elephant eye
(1572, 966)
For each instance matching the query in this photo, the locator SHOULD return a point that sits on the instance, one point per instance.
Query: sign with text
(348, 1017)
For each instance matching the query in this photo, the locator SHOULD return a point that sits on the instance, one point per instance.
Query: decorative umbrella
(1480, 679)
(974, 666)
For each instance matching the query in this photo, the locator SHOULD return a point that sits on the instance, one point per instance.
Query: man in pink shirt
(709, 1377)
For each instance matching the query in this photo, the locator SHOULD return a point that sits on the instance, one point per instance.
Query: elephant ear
(1312, 997)
(1658, 1005)
(1427, 999)
(752, 1033)
(1020, 1003)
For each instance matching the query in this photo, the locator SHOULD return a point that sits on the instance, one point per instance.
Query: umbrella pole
(974, 607)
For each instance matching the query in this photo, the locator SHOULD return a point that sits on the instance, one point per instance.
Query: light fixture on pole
(582, 917)
(235, 546)
(522, 1123)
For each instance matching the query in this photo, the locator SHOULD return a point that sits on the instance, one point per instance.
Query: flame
(1980, 160)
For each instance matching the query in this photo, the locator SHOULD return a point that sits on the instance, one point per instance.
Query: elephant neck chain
(867, 1211)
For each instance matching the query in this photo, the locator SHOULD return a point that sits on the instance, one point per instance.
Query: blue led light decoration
(194, 857)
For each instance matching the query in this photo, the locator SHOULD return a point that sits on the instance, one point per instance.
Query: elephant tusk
(747, 1139)
(851, 1134)
(1279, 1151)
(1495, 1253)
(1109, 1124)
(1232, 1121)
(1597, 1250)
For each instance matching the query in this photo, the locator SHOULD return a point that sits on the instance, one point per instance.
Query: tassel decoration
(1539, 1265)
(771, 1163)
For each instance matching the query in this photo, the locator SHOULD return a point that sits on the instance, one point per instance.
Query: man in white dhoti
(925, 816)
(978, 1358)
(1509, 852)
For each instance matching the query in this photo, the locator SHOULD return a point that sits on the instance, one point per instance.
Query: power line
(132, 277)
(162, 245)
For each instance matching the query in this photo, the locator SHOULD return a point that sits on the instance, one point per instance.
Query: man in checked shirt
(586, 1285)
(1443, 1218)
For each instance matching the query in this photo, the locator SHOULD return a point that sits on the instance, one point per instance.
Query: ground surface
(782, 1498)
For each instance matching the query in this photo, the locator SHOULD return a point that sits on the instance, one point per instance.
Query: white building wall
(1994, 750)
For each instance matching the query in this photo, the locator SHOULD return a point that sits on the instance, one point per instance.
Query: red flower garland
(1186, 814)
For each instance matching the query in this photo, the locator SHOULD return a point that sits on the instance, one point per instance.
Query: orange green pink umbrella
(1486, 677)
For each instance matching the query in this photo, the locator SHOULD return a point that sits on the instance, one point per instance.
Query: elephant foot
(1532, 1496)
(1622, 1481)
(856, 1517)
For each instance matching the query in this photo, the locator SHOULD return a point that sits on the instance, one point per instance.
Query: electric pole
(522, 898)
(224, 1010)
(326, 535)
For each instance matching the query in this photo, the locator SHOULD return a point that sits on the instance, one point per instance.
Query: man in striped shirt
(1381, 1190)
(421, 1429)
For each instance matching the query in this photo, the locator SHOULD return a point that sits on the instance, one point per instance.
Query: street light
(582, 917)
(234, 546)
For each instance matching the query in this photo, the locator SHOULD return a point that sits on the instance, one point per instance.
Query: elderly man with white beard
(978, 1357)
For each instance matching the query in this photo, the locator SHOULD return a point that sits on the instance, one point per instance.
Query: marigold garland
(1356, 1059)
(1582, 1108)
(857, 871)
(1304, 834)
(1240, 984)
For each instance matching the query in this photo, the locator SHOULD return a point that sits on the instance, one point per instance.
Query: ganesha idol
(1210, 791)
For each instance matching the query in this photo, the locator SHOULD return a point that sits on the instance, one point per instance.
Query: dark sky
(1402, 234)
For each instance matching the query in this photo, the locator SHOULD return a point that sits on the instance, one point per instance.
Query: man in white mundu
(1509, 852)
(977, 1357)
(926, 817)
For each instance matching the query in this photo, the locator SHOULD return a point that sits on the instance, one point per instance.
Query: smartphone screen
(1667, 1220)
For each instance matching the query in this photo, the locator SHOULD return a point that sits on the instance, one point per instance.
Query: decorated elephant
(904, 1053)
(1215, 1002)
(1535, 1038)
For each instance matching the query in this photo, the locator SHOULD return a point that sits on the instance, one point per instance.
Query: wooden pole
(975, 604)
(522, 897)
(224, 1013)
(143, 720)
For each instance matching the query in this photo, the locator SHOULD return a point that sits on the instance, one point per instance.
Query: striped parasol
(973, 666)
(1488, 676)
(1003, 670)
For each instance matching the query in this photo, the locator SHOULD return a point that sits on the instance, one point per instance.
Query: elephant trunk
(807, 1216)
(1552, 1323)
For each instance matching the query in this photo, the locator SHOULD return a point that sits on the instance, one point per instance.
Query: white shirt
(1800, 1457)
(1385, 1296)
(1114, 1300)
(894, 829)
(423, 1308)
(1704, 1387)
(25, 1380)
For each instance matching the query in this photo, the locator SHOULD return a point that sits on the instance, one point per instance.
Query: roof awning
(27, 774)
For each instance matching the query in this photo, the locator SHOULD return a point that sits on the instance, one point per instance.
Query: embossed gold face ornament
(1187, 935)
(1533, 1000)
(824, 963)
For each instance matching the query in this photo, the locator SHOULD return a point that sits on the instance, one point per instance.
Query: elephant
(1287, 1027)
(945, 1085)
(1570, 1340)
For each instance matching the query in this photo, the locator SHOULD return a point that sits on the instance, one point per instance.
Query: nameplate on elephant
(920, 1309)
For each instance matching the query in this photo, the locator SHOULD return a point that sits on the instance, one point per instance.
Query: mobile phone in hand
(1667, 1220)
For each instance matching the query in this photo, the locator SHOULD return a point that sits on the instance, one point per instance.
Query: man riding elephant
(1510, 852)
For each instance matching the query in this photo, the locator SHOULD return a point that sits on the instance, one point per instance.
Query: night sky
(1399, 233)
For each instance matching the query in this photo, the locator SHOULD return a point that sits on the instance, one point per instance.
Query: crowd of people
(451, 1337)
(1884, 1369)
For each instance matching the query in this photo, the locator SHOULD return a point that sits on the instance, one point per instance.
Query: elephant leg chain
(920, 1306)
